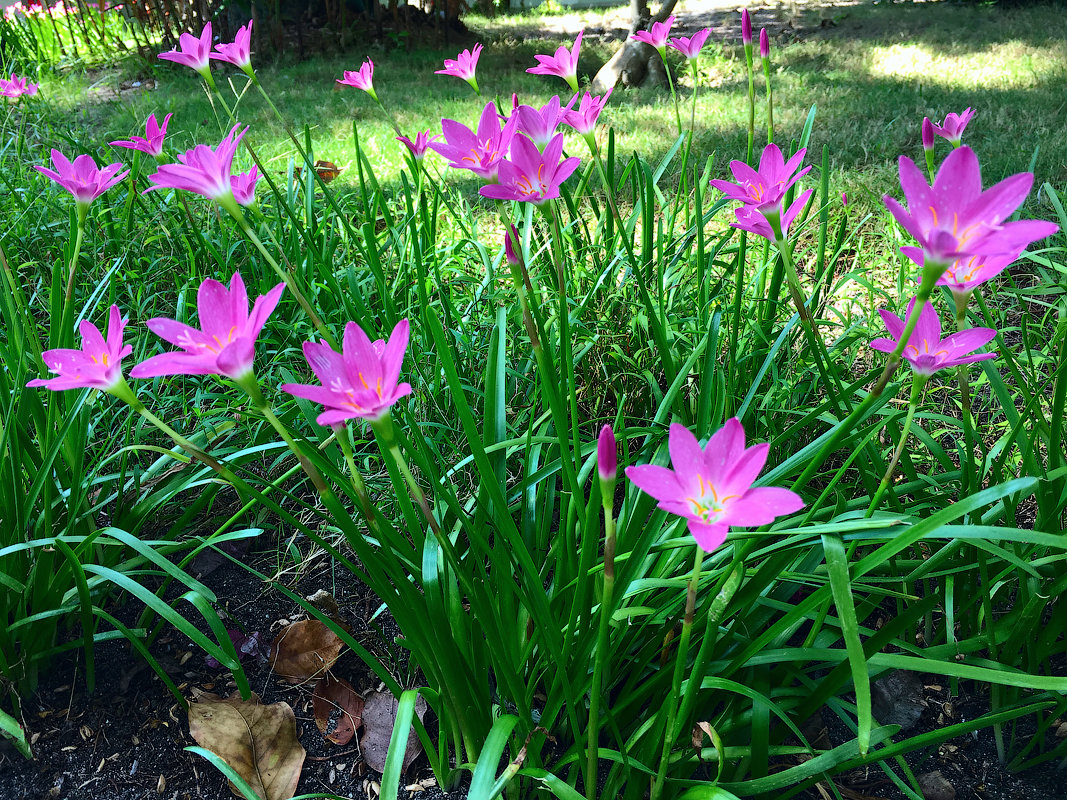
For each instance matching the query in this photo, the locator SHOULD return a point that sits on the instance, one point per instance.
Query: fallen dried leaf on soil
(379, 717)
(304, 650)
(258, 741)
(338, 709)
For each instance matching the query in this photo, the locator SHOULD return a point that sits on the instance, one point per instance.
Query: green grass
(488, 551)
(872, 74)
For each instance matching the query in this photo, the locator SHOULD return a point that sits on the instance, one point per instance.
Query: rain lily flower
(203, 170)
(463, 66)
(584, 119)
(711, 487)
(363, 78)
(82, 178)
(926, 351)
(763, 192)
(954, 219)
(531, 175)
(97, 365)
(17, 87)
(238, 52)
(765, 188)
(690, 46)
(243, 186)
(481, 151)
(953, 126)
(541, 125)
(152, 141)
(564, 64)
(656, 35)
(361, 381)
(226, 343)
(607, 464)
(966, 273)
(928, 134)
(192, 51)
(764, 44)
(421, 144)
(746, 28)
(512, 246)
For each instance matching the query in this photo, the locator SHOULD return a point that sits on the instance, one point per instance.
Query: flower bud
(746, 28)
(511, 246)
(928, 134)
(764, 44)
(606, 456)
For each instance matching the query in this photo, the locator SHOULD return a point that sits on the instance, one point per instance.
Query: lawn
(611, 481)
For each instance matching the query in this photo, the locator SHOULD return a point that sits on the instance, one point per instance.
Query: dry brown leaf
(338, 709)
(258, 741)
(379, 716)
(304, 650)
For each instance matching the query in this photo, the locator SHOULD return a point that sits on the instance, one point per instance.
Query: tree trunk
(636, 63)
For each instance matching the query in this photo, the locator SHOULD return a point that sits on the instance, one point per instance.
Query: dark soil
(126, 740)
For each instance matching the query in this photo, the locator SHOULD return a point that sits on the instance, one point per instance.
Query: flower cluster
(955, 221)
(763, 192)
(16, 87)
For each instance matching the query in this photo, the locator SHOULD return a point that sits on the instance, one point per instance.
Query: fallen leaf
(338, 709)
(379, 717)
(258, 741)
(304, 650)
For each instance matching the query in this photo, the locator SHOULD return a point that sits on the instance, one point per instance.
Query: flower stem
(679, 671)
(751, 103)
(917, 383)
(674, 95)
(770, 99)
(597, 690)
(967, 476)
(289, 280)
(251, 386)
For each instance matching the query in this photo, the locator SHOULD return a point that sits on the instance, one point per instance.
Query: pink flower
(541, 124)
(765, 188)
(152, 141)
(657, 35)
(712, 487)
(585, 118)
(238, 52)
(82, 178)
(463, 66)
(928, 134)
(563, 63)
(226, 343)
(954, 219)
(926, 351)
(764, 44)
(361, 381)
(746, 28)
(97, 365)
(202, 170)
(421, 144)
(966, 273)
(363, 78)
(953, 126)
(481, 151)
(763, 191)
(530, 175)
(690, 46)
(607, 458)
(17, 87)
(512, 246)
(243, 186)
(193, 52)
